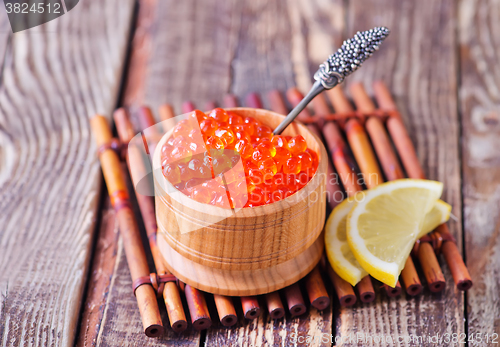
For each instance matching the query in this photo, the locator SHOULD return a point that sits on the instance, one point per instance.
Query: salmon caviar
(297, 144)
(229, 161)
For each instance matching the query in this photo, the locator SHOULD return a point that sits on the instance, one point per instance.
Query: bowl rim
(257, 210)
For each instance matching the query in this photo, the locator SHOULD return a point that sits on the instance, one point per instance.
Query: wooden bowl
(250, 251)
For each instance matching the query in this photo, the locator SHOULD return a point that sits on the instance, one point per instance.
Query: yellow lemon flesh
(338, 250)
(385, 222)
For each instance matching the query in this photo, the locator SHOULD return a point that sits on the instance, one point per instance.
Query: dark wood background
(63, 273)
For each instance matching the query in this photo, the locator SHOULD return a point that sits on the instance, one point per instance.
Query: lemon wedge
(337, 249)
(385, 222)
(439, 214)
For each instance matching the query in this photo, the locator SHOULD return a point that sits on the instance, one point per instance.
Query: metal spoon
(338, 66)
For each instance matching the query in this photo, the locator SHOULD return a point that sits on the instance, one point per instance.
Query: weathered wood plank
(480, 106)
(183, 51)
(262, 58)
(270, 52)
(102, 268)
(418, 62)
(118, 319)
(54, 77)
(121, 324)
(5, 37)
(313, 329)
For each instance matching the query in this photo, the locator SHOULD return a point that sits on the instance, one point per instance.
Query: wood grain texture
(119, 317)
(116, 183)
(480, 105)
(245, 251)
(120, 303)
(182, 50)
(418, 64)
(53, 78)
(425, 89)
(265, 331)
(101, 271)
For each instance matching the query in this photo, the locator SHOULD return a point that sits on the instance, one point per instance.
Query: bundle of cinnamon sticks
(348, 159)
(383, 128)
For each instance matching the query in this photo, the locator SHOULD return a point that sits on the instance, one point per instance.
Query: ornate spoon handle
(338, 66)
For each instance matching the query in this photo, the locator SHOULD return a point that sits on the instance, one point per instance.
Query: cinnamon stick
(187, 106)
(250, 306)
(342, 158)
(383, 147)
(210, 105)
(334, 193)
(169, 290)
(387, 157)
(277, 103)
(410, 278)
(344, 290)
(318, 296)
(454, 260)
(200, 318)
(230, 100)
(320, 106)
(147, 121)
(253, 100)
(166, 112)
(274, 305)
(225, 308)
(363, 153)
(334, 140)
(294, 96)
(315, 287)
(408, 156)
(203, 317)
(339, 101)
(365, 289)
(294, 299)
(398, 132)
(129, 231)
(361, 148)
(435, 279)
(343, 162)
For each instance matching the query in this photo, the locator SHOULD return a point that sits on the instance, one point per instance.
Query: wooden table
(63, 274)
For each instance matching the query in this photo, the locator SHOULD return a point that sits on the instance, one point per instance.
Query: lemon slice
(337, 249)
(386, 221)
(439, 214)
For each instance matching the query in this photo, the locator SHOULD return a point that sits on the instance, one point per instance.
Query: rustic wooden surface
(479, 49)
(53, 78)
(425, 89)
(290, 39)
(440, 61)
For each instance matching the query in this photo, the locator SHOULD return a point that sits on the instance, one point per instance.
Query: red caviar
(226, 160)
